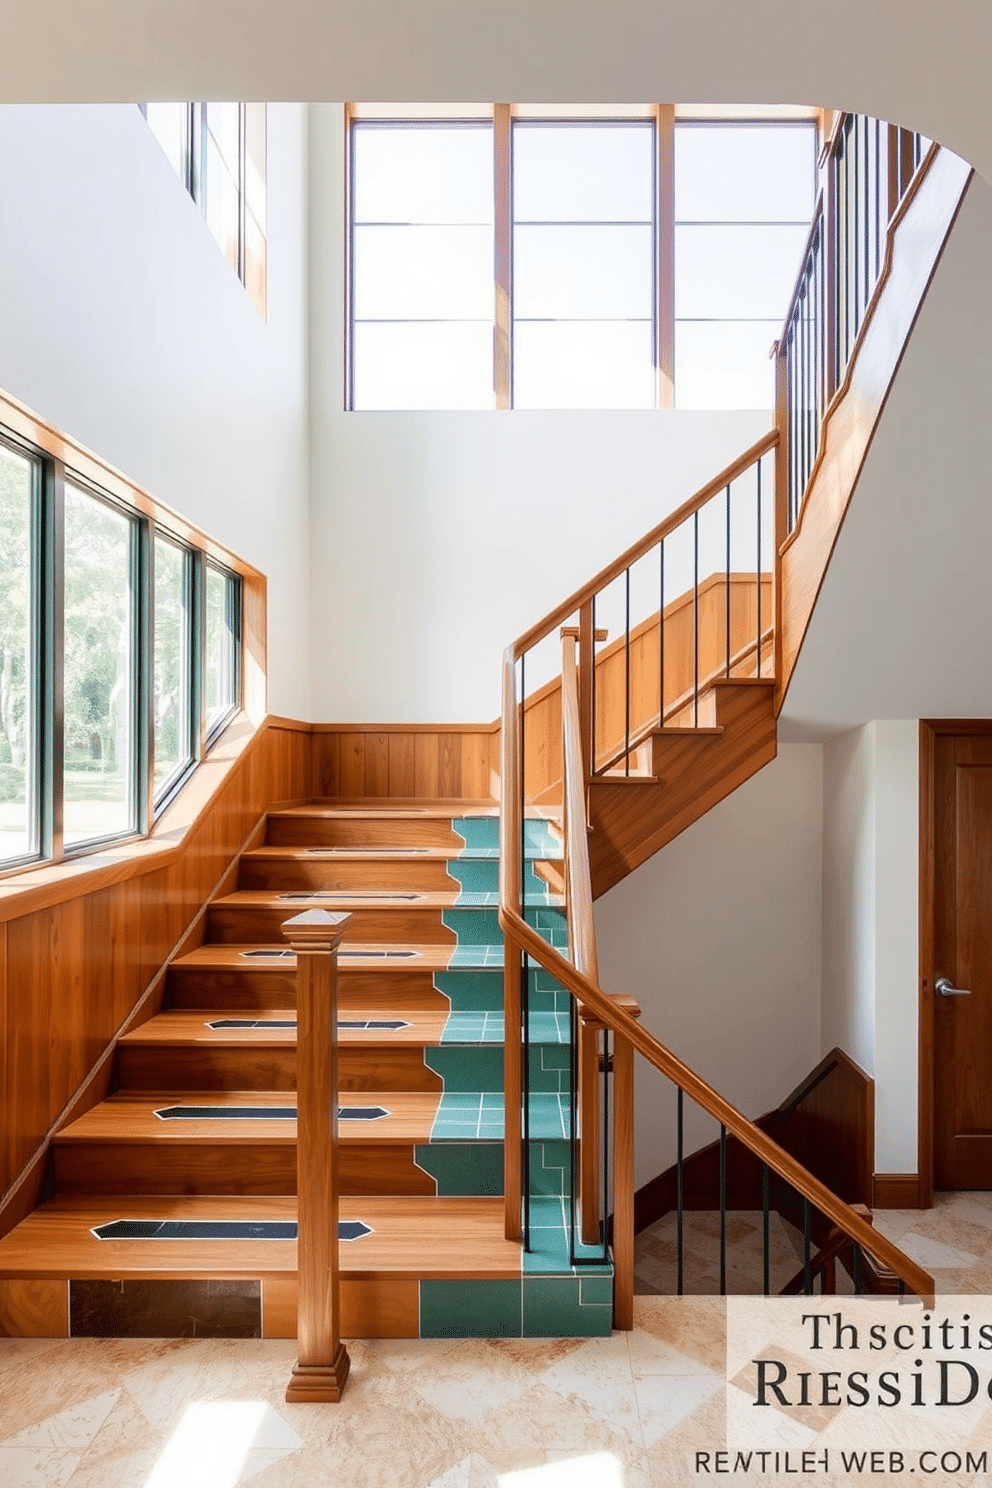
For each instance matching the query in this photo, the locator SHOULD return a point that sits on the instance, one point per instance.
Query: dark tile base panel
(165, 1309)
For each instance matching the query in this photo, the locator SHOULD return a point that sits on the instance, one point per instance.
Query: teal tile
(467, 1067)
(560, 1307)
(477, 831)
(470, 1309)
(549, 1168)
(471, 989)
(474, 927)
(474, 1168)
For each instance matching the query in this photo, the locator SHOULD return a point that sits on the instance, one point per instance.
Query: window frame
(58, 463)
(36, 751)
(233, 607)
(195, 179)
(664, 117)
(163, 793)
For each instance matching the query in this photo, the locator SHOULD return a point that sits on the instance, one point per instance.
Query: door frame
(930, 730)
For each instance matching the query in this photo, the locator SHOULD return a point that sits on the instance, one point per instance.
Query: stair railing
(820, 1211)
(871, 171)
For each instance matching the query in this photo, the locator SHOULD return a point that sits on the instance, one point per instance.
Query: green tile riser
(532, 1307)
(463, 1169)
(480, 926)
(476, 990)
(483, 832)
(480, 1067)
(481, 876)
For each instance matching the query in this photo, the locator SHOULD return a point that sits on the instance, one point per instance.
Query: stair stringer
(632, 819)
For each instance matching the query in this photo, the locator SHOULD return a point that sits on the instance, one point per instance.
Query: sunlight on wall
(599, 1471)
(217, 1440)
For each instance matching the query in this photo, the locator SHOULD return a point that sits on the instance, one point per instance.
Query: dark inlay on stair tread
(275, 955)
(261, 1113)
(372, 852)
(216, 1229)
(369, 1023)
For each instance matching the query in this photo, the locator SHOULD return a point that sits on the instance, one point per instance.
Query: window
(173, 698)
(117, 639)
(543, 262)
(218, 151)
(223, 595)
(99, 671)
(422, 265)
(583, 265)
(743, 205)
(20, 478)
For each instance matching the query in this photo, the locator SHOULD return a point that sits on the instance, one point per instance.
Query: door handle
(944, 987)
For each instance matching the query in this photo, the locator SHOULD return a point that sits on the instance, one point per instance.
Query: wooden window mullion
(502, 372)
(665, 210)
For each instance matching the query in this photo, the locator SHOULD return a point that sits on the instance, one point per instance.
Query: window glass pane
(423, 273)
(254, 266)
(744, 173)
(725, 364)
(18, 710)
(223, 203)
(415, 365)
(255, 161)
(583, 172)
(423, 173)
(169, 122)
(224, 125)
(583, 273)
(739, 273)
(99, 669)
(583, 364)
(172, 660)
(220, 661)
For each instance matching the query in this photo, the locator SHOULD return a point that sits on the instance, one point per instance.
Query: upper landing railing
(870, 170)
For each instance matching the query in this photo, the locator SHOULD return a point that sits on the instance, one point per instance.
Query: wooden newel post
(322, 1362)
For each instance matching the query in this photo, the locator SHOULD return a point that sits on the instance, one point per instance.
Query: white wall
(870, 921)
(439, 537)
(718, 937)
(123, 325)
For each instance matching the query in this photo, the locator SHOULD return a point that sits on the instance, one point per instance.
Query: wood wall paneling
(899, 1191)
(411, 762)
(74, 970)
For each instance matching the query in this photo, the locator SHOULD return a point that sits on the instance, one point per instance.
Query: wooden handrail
(801, 276)
(664, 529)
(581, 928)
(656, 1053)
(509, 893)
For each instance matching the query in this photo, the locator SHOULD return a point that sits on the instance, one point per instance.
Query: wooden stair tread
(413, 1236)
(345, 901)
(128, 1118)
(394, 809)
(230, 957)
(180, 1026)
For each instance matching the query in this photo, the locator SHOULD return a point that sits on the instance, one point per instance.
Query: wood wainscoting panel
(82, 945)
(34, 1309)
(827, 1123)
(383, 1307)
(353, 761)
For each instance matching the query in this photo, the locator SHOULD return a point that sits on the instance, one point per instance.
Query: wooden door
(962, 945)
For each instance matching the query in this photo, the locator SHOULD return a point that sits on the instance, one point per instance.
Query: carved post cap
(315, 930)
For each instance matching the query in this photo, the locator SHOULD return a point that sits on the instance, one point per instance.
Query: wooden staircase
(201, 1128)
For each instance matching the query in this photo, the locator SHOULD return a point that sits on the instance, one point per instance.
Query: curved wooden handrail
(801, 276)
(651, 539)
(764, 1147)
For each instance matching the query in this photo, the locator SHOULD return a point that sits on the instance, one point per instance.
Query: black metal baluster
(723, 1211)
(758, 595)
(807, 1236)
(766, 1247)
(801, 486)
(679, 1195)
(867, 227)
(902, 1287)
(728, 578)
(695, 618)
(857, 1269)
(661, 634)
(626, 698)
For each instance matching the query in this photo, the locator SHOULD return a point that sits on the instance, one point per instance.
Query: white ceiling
(903, 624)
(922, 63)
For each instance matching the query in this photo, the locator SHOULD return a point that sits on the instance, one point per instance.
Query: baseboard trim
(896, 1191)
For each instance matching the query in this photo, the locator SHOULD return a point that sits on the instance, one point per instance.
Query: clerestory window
(218, 151)
(530, 261)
